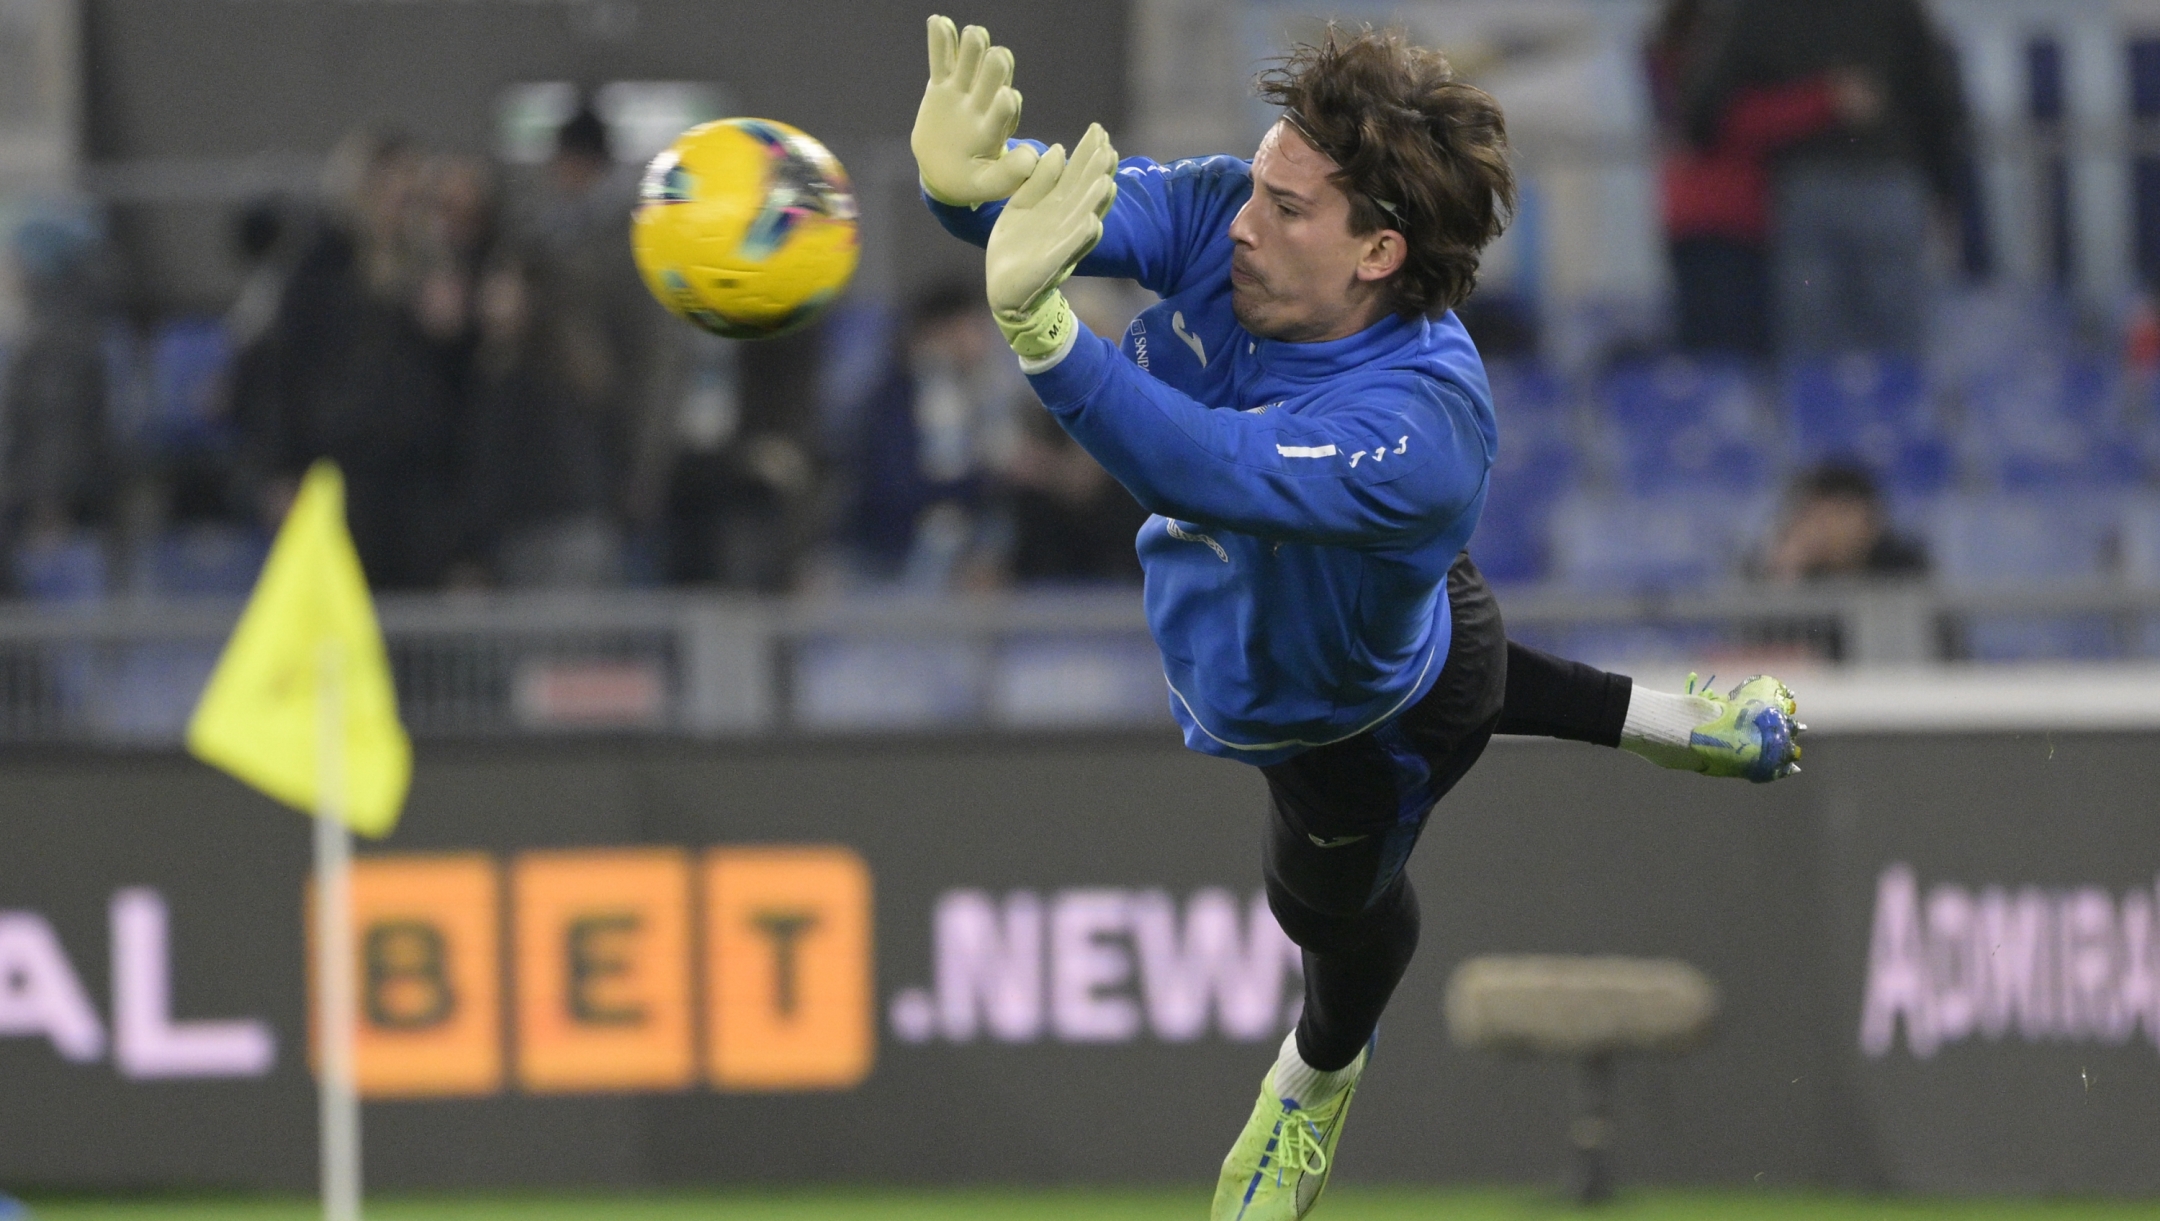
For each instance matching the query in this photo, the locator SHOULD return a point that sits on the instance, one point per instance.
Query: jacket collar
(1311, 362)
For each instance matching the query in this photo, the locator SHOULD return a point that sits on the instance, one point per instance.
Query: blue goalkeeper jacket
(1308, 497)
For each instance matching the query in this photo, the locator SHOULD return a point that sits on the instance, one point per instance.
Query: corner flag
(308, 651)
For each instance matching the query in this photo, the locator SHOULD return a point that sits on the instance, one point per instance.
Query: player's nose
(1241, 229)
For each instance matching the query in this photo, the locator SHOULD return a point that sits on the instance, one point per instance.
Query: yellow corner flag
(307, 650)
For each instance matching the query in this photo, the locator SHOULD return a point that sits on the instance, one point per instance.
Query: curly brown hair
(1419, 152)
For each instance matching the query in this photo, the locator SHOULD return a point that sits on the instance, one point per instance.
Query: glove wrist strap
(1040, 336)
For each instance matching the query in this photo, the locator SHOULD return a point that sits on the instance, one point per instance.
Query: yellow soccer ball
(745, 227)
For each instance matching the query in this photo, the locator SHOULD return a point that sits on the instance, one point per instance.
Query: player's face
(1298, 273)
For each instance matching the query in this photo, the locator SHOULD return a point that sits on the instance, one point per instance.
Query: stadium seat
(1872, 409)
(1512, 543)
(1539, 464)
(68, 570)
(189, 360)
(204, 560)
(2000, 542)
(2050, 425)
(1685, 423)
(1625, 543)
(2138, 541)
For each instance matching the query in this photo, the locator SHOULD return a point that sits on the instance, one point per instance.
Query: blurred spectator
(1835, 526)
(577, 220)
(266, 237)
(933, 436)
(261, 240)
(1715, 199)
(365, 367)
(535, 471)
(740, 479)
(1070, 521)
(62, 457)
(1065, 520)
(1852, 200)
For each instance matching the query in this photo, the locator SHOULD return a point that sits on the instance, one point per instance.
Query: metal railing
(717, 666)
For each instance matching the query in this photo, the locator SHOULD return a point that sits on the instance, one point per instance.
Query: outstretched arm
(1404, 455)
(1405, 458)
(1163, 216)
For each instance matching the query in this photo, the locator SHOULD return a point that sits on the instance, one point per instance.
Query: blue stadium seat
(1876, 410)
(1686, 423)
(1529, 480)
(1991, 542)
(66, 571)
(2048, 425)
(1999, 542)
(189, 362)
(1622, 543)
(204, 560)
(1539, 465)
(2138, 541)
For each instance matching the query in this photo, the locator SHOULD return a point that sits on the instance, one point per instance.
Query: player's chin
(1250, 308)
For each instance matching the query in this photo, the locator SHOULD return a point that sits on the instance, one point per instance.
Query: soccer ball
(745, 227)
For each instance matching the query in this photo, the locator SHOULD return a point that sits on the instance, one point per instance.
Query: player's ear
(1385, 253)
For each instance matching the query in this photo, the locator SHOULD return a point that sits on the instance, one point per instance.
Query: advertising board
(1043, 960)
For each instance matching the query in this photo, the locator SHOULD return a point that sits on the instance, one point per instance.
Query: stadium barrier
(626, 962)
(710, 667)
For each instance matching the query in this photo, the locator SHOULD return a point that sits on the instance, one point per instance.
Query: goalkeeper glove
(968, 111)
(1047, 227)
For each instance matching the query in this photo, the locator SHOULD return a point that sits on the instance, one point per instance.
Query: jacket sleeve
(1404, 457)
(1164, 215)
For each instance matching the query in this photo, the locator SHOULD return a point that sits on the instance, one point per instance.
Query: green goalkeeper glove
(968, 111)
(1047, 227)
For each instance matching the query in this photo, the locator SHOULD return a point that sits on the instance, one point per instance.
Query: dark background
(234, 79)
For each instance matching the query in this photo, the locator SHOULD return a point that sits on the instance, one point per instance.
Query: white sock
(1664, 718)
(1660, 725)
(1299, 1082)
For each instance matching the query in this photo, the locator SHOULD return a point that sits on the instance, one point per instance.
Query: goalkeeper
(1312, 430)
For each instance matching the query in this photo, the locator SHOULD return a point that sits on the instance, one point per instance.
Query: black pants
(1345, 816)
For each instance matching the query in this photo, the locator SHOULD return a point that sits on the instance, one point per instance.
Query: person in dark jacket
(535, 470)
(1715, 200)
(931, 440)
(1835, 525)
(356, 374)
(1855, 200)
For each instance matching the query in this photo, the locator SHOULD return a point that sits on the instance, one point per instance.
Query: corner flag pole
(338, 1099)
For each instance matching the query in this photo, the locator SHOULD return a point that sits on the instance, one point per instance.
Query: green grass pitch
(1349, 1204)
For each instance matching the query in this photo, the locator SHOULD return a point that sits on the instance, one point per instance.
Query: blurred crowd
(1813, 155)
(470, 342)
(511, 410)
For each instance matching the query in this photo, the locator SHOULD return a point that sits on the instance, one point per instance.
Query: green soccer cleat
(1754, 734)
(1283, 1158)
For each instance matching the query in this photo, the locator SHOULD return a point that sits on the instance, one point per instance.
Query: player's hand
(1046, 228)
(968, 111)
(1050, 223)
